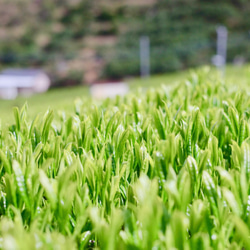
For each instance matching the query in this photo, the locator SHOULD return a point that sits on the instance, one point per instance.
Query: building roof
(21, 72)
(21, 78)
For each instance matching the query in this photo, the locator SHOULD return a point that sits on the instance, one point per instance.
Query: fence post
(144, 56)
(219, 60)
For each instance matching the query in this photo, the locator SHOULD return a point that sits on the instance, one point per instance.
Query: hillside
(83, 40)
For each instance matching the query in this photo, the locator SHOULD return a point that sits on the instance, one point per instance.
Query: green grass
(239, 75)
(55, 99)
(166, 168)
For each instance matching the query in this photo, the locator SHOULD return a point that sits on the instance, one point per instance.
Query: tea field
(166, 167)
(62, 99)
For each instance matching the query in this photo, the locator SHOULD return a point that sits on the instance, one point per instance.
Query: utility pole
(219, 60)
(144, 56)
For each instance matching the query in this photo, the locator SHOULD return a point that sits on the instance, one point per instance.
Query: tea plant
(164, 169)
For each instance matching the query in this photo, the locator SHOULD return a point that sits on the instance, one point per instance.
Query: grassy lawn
(54, 99)
(62, 99)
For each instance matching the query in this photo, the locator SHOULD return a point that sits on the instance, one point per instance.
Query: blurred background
(85, 41)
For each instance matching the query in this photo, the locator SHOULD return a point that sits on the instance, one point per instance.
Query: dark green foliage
(182, 35)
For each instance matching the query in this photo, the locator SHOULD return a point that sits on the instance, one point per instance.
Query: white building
(22, 81)
(111, 90)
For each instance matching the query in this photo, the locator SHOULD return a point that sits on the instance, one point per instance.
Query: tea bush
(164, 169)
